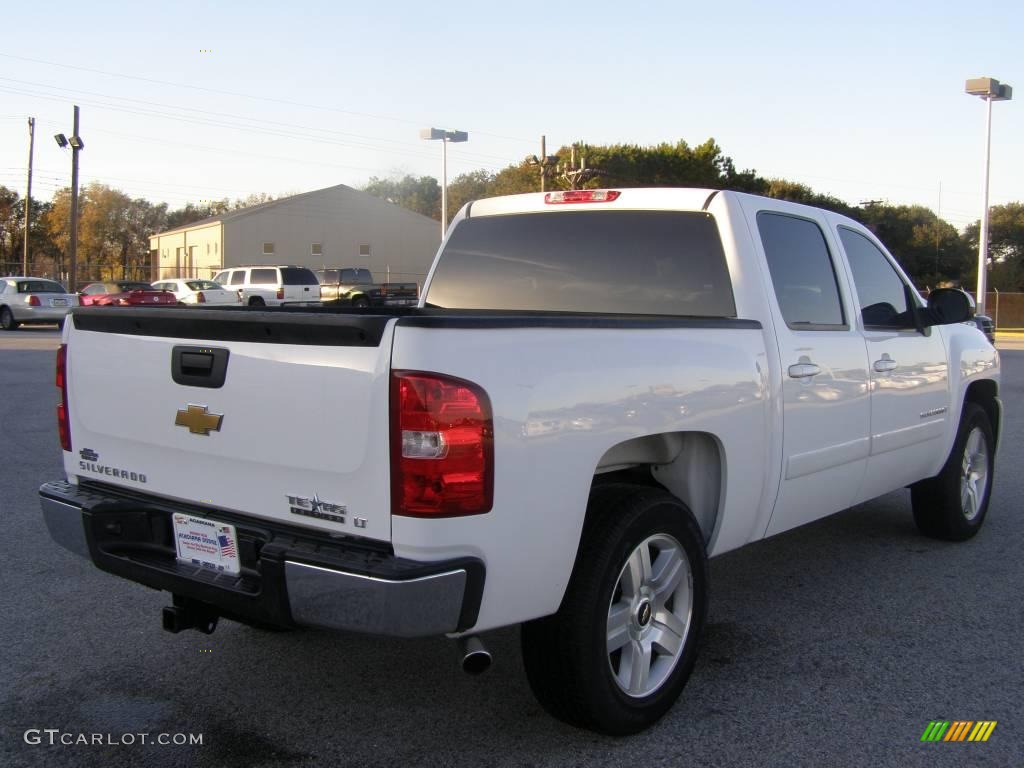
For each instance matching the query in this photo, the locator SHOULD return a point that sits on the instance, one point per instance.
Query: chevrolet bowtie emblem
(199, 420)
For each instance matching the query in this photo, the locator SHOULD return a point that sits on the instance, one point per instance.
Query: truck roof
(628, 198)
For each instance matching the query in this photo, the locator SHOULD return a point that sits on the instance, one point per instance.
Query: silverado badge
(199, 420)
(317, 507)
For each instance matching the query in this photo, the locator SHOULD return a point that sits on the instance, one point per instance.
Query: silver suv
(270, 286)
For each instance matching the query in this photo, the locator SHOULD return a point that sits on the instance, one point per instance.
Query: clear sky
(861, 100)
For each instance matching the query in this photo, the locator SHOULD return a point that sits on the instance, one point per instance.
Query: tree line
(114, 228)
(931, 250)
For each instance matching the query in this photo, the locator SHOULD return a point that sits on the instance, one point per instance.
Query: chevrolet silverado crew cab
(599, 390)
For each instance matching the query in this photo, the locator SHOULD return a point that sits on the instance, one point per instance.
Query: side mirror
(947, 306)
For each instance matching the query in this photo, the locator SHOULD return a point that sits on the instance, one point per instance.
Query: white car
(31, 300)
(197, 291)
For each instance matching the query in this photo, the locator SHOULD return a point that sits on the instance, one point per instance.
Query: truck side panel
(562, 398)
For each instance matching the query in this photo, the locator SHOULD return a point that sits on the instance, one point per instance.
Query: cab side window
(238, 277)
(802, 272)
(882, 294)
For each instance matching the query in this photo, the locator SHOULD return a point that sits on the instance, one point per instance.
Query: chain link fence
(1006, 310)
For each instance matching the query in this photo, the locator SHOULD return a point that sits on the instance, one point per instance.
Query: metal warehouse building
(337, 226)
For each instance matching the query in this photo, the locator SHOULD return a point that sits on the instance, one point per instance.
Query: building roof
(242, 212)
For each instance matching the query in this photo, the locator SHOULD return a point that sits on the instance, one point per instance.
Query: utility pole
(28, 191)
(575, 176)
(546, 162)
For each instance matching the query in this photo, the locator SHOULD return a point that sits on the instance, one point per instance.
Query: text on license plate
(58, 302)
(207, 543)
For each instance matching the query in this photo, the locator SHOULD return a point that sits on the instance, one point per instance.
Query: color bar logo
(958, 730)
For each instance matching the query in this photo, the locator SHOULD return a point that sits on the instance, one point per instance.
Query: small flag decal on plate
(227, 545)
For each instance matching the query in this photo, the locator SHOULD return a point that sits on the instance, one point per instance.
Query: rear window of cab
(629, 262)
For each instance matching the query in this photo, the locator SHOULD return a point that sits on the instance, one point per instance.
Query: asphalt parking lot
(831, 645)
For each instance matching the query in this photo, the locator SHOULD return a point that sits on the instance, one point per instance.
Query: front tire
(619, 651)
(7, 321)
(953, 504)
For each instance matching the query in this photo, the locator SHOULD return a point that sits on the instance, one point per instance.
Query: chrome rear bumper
(290, 576)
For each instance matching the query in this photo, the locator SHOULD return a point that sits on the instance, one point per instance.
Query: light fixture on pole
(437, 134)
(990, 90)
(77, 145)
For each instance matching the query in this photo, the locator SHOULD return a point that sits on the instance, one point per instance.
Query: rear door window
(629, 262)
(802, 272)
(298, 276)
(356, 276)
(263, 277)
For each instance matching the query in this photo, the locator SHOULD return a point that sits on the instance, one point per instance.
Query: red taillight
(63, 418)
(200, 298)
(442, 446)
(280, 293)
(33, 301)
(582, 196)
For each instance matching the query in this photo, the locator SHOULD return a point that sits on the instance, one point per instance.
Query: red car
(124, 293)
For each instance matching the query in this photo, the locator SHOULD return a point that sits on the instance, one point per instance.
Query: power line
(251, 129)
(247, 95)
(404, 144)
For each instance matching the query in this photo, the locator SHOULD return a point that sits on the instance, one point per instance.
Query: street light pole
(437, 134)
(75, 146)
(983, 234)
(990, 90)
(444, 186)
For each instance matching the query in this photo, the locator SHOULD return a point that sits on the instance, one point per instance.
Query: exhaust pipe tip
(476, 659)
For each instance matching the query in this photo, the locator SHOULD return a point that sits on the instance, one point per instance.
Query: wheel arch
(985, 393)
(689, 465)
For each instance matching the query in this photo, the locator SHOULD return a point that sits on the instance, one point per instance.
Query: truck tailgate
(303, 408)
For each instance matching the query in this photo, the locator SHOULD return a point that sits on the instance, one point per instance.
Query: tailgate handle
(199, 366)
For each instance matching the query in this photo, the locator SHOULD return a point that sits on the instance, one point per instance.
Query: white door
(907, 367)
(826, 406)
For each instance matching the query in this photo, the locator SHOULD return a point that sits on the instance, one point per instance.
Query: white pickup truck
(599, 390)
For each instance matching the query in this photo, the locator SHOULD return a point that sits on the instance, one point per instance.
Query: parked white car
(32, 300)
(198, 291)
(600, 390)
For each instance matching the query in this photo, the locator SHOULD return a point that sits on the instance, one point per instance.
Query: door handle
(885, 365)
(803, 370)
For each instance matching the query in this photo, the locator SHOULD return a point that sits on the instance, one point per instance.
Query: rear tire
(256, 301)
(619, 651)
(7, 321)
(361, 303)
(953, 504)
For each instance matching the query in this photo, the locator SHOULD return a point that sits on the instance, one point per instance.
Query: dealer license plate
(206, 543)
